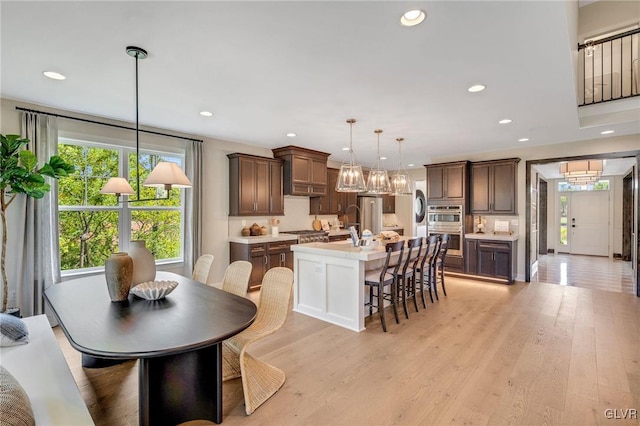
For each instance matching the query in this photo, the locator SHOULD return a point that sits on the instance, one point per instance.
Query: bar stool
(427, 265)
(405, 276)
(380, 278)
(439, 264)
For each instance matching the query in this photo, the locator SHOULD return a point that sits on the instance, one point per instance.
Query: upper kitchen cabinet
(447, 183)
(388, 204)
(255, 186)
(305, 170)
(332, 202)
(493, 187)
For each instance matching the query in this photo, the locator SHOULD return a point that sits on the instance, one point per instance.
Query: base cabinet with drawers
(263, 256)
(491, 259)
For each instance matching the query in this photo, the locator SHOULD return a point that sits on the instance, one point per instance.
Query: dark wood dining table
(177, 340)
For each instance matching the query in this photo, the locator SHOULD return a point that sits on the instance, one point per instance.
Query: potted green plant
(20, 174)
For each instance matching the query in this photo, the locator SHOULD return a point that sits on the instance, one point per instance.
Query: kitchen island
(329, 281)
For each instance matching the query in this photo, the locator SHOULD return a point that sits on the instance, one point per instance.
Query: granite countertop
(263, 238)
(491, 236)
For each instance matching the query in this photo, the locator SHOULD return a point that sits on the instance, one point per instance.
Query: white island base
(329, 281)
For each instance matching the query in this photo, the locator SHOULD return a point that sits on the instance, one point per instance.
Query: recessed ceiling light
(607, 132)
(504, 121)
(412, 18)
(206, 113)
(54, 75)
(383, 158)
(477, 88)
(291, 135)
(346, 148)
(523, 140)
(410, 165)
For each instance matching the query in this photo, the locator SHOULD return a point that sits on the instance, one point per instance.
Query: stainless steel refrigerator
(370, 214)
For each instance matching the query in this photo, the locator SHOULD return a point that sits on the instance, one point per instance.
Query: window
(92, 225)
(601, 185)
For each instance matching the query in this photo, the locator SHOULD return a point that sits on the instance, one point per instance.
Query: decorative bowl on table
(154, 290)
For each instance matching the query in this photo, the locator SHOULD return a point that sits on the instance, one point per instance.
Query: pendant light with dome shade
(166, 174)
(400, 180)
(350, 178)
(378, 182)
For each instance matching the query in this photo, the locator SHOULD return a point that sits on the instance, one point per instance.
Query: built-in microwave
(445, 215)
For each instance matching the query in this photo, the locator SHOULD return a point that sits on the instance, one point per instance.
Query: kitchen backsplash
(489, 223)
(297, 217)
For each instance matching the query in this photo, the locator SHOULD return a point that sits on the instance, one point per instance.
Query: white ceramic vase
(144, 265)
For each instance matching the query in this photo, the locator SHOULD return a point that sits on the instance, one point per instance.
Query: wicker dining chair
(259, 379)
(236, 277)
(202, 267)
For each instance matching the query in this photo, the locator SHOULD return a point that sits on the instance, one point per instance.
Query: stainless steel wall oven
(447, 220)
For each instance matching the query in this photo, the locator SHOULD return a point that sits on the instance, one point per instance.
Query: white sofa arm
(42, 371)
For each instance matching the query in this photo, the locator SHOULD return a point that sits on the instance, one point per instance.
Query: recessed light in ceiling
(504, 121)
(410, 165)
(54, 75)
(206, 113)
(346, 148)
(383, 158)
(607, 132)
(291, 135)
(412, 18)
(523, 140)
(476, 88)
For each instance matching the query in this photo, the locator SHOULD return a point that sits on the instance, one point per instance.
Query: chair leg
(394, 300)
(430, 275)
(414, 291)
(370, 300)
(259, 381)
(435, 281)
(444, 289)
(380, 299)
(424, 300)
(403, 293)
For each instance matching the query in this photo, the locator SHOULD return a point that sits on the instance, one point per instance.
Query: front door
(589, 223)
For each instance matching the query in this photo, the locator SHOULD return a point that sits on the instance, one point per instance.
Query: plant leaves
(28, 159)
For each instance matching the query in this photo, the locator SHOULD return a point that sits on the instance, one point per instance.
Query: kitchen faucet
(356, 224)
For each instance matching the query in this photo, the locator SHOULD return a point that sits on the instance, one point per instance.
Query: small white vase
(144, 265)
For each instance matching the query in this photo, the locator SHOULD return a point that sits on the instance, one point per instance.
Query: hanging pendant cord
(137, 136)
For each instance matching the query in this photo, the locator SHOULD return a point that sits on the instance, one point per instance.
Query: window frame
(125, 209)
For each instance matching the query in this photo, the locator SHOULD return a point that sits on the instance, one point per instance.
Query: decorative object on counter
(354, 235)
(118, 271)
(255, 230)
(480, 223)
(400, 180)
(350, 178)
(378, 182)
(274, 226)
(317, 224)
(144, 265)
(154, 290)
(246, 231)
(264, 230)
(389, 236)
(501, 227)
(325, 225)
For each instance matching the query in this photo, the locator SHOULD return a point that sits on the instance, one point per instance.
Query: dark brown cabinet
(493, 187)
(333, 202)
(491, 259)
(388, 204)
(255, 186)
(447, 182)
(263, 256)
(305, 171)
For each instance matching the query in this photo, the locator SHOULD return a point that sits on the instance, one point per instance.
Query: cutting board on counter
(317, 224)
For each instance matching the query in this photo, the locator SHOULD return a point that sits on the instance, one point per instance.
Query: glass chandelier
(350, 178)
(400, 180)
(165, 175)
(378, 182)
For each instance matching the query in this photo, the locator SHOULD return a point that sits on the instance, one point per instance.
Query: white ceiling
(267, 68)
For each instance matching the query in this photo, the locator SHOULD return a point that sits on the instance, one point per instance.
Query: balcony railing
(608, 68)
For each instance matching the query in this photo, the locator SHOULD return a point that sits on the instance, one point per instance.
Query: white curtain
(39, 267)
(193, 207)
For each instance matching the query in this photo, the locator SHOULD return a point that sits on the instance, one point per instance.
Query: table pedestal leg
(178, 388)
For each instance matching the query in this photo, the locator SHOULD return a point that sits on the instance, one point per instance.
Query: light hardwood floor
(526, 354)
(595, 272)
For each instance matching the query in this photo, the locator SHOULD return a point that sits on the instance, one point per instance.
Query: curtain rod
(106, 124)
